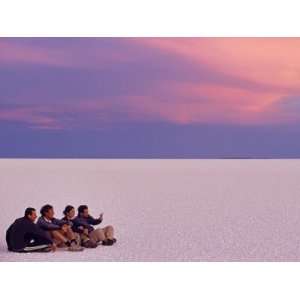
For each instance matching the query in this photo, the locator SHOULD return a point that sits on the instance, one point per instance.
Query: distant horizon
(177, 98)
(150, 158)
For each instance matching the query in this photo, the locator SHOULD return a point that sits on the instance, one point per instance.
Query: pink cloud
(14, 53)
(273, 63)
(70, 55)
(227, 103)
(32, 117)
(70, 116)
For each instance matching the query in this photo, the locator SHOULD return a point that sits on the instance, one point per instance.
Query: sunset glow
(75, 85)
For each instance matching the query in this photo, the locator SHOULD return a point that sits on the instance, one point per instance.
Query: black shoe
(108, 242)
(114, 240)
(89, 244)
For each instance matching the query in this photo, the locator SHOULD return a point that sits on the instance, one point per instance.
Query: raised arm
(94, 221)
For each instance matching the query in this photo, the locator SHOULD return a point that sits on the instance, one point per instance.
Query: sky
(150, 97)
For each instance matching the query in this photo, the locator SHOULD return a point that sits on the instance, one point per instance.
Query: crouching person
(25, 236)
(84, 223)
(69, 214)
(58, 230)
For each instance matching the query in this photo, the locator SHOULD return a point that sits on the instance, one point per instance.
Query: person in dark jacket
(69, 214)
(25, 236)
(58, 230)
(84, 223)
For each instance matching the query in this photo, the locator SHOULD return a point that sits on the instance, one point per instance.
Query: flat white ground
(165, 210)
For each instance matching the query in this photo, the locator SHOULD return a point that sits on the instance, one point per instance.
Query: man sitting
(69, 214)
(84, 224)
(59, 231)
(25, 236)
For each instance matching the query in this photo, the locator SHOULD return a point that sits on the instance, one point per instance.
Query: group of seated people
(70, 232)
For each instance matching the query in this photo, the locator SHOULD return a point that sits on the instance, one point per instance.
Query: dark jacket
(82, 222)
(67, 221)
(54, 224)
(18, 234)
(72, 225)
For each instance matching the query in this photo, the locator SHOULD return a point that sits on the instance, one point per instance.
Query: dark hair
(82, 208)
(67, 209)
(45, 209)
(29, 211)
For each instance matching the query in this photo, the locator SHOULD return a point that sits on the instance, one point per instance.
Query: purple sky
(146, 98)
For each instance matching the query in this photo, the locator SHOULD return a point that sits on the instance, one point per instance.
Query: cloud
(88, 114)
(286, 109)
(15, 53)
(33, 117)
(271, 61)
(91, 53)
(81, 83)
(261, 71)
